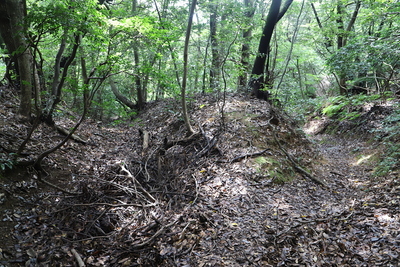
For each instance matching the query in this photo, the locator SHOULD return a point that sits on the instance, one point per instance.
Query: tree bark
(13, 33)
(260, 77)
(185, 114)
(342, 37)
(138, 79)
(215, 60)
(124, 100)
(58, 81)
(245, 50)
(328, 41)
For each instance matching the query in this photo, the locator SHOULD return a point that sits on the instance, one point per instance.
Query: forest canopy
(115, 56)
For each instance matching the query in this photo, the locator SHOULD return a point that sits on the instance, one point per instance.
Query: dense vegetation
(107, 59)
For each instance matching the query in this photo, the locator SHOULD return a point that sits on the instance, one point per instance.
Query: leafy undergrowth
(226, 196)
(371, 118)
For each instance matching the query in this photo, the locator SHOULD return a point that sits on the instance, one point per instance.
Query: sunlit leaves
(55, 17)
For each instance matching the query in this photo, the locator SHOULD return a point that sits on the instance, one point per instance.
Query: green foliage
(363, 56)
(7, 161)
(347, 108)
(146, 45)
(389, 135)
(335, 106)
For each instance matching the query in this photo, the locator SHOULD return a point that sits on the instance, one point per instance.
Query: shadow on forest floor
(226, 196)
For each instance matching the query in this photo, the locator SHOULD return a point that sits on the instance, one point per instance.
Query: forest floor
(248, 189)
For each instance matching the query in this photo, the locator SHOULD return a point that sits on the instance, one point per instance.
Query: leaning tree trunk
(260, 80)
(123, 99)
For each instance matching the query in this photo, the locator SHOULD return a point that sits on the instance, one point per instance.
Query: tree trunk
(138, 79)
(124, 100)
(258, 82)
(58, 81)
(13, 32)
(245, 50)
(185, 114)
(215, 61)
(342, 38)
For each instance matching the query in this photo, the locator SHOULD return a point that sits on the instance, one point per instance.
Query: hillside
(250, 188)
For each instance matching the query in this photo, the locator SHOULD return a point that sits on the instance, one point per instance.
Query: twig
(94, 221)
(182, 142)
(115, 205)
(146, 164)
(197, 189)
(210, 144)
(78, 258)
(137, 182)
(151, 239)
(73, 136)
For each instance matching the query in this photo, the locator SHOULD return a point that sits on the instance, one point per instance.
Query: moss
(279, 172)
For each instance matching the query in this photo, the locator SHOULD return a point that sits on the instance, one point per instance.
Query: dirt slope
(227, 196)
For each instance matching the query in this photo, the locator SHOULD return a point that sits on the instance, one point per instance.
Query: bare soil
(230, 195)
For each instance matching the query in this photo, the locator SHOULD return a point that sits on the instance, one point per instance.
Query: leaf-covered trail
(354, 222)
(192, 204)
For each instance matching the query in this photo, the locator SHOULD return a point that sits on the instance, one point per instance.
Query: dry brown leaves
(189, 205)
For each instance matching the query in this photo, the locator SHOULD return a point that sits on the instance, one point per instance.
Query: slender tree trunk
(204, 75)
(245, 50)
(185, 70)
(328, 40)
(292, 42)
(215, 61)
(138, 78)
(342, 38)
(124, 100)
(173, 56)
(25, 75)
(58, 81)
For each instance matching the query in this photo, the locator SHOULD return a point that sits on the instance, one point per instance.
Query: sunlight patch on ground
(385, 218)
(225, 185)
(314, 126)
(362, 159)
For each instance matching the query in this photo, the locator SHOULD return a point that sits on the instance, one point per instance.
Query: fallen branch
(140, 187)
(78, 258)
(210, 145)
(73, 136)
(115, 205)
(250, 155)
(151, 239)
(297, 167)
(181, 142)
